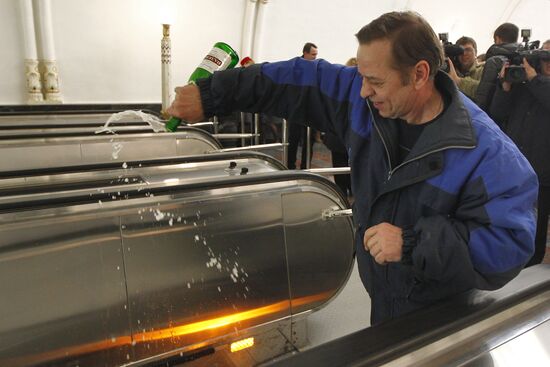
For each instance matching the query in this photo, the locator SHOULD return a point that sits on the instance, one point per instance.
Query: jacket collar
(453, 129)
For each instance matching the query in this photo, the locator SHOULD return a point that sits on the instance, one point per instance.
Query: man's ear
(421, 74)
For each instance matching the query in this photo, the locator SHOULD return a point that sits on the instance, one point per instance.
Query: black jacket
(524, 114)
(465, 195)
(496, 56)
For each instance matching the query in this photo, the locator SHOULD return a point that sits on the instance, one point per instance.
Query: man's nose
(366, 90)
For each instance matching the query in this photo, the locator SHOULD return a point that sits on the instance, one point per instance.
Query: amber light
(195, 327)
(242, 344)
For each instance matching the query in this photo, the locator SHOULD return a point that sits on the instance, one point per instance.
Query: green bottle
(221, 57)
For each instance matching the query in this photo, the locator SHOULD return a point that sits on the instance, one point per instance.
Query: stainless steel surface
(176, 169)
(33, 153)
(335, 212)
(122, 280)
(530, 349)
(61, 119)
(330, 171)
(308, 147)
(216, 124)
(234, 136)
(474, 328)
(242, 130)
(63, 291)
(285, 142)
(72, 130)
(467, 344)
(256, 128)
(253, 147)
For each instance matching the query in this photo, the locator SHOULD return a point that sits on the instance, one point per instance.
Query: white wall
(108, 51)
(331, 25)
(12, 81)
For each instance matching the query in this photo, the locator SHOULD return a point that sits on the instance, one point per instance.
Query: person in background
(481, 59)
(467, 73)
(444, 201)
(297, 132)
(309, 51)
(338, 151)
(505, 38)
(523, 112)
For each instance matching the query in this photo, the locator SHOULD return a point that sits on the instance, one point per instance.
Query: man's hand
(530, 71)
(384, 242)
(452, 72)
(506, 86)
(187, 105)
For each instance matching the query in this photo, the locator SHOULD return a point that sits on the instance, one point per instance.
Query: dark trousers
(340, 159)
(297, 133)
(543, 210)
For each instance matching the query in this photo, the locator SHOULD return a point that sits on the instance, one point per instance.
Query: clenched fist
(384, 241)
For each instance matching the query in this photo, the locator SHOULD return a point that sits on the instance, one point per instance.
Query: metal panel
(190, 146)
(60, 119)
(64, 296)
(320, 252)
(32, 156)
(190, 266)
(50, 152)
(193, 267)
(122, 150)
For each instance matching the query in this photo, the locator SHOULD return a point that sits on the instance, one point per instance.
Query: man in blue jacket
(444, 201)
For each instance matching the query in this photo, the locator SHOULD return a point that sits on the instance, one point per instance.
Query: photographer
(522, 110)
(505, 38)
(467, 73)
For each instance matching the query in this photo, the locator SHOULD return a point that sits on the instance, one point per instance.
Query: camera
(515, 73)
(451, 51)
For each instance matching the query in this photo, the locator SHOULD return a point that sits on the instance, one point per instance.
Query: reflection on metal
(330, 171)
(243, 130)
(464, 345)
(285, 142)
(253, 147)
(235, 136)
(228, 320)
(308, 147)
(113, 275)
(33, 153)
(335, 212)
(216, 124)
(242, 344)
(256, 129)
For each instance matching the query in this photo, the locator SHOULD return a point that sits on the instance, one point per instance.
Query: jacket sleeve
(539, 87)
(315, 93)
(468, 86)
(489, 237)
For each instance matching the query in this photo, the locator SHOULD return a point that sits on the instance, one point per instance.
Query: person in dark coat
(523, 112)
(506, 38)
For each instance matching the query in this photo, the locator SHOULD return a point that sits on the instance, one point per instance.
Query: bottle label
(217, 59)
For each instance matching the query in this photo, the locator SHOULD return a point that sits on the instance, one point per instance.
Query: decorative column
(166, 60)
(50, 75)
(32, 75)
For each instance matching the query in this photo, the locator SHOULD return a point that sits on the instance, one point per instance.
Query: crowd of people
(446, 166)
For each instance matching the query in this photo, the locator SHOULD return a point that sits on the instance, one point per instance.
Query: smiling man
(443, 200)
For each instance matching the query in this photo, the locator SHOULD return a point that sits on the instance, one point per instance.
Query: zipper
(381, 138)
(392, 170)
